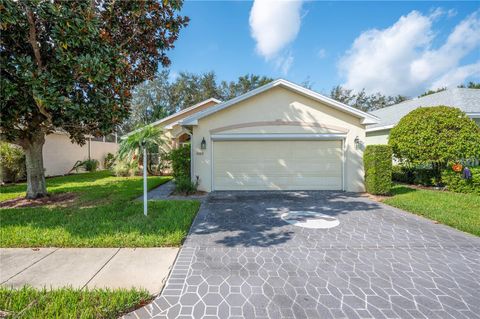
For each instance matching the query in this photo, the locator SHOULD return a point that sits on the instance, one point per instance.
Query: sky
(387, 47)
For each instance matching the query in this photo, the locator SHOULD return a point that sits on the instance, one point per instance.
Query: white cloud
(400, 59)
(274, 24)
(457, 76)
(284, 63)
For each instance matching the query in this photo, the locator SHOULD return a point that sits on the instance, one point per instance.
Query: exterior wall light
(357, 142)
(203, 144)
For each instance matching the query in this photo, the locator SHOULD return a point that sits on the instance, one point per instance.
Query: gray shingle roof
(468, 100)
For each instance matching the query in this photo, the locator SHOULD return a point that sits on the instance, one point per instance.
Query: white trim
(343, 164)
(186, 110)
(379, 128)
(473, 115)
(366, 117)
(277, 137)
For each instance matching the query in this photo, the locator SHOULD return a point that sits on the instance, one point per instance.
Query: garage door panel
(277, 165)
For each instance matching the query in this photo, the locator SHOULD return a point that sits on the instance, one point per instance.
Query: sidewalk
(145, 268)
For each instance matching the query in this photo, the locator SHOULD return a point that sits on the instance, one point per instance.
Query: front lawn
(461, 211)
(104, 213)
(70, 303)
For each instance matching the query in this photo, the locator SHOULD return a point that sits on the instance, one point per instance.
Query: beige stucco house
(467, 100)
(60, 154)
(280, 136)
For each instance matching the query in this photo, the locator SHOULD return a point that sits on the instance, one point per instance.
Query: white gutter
(379, 128)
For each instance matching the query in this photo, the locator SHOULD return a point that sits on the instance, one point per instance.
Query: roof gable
(177, 116)
(365, 117)
(170, 121)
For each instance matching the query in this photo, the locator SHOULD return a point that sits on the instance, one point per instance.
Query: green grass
(461, 211)
(70, 303)
(104, 214)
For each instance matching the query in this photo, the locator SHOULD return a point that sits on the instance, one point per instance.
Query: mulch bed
(57, 199)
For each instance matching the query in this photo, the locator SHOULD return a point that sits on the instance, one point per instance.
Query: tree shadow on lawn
(400, 189)
(93, 186)
(252, 219)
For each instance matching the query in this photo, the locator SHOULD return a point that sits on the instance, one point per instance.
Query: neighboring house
(280, 136)
(60, 154)
(175, 134)
(467, 100)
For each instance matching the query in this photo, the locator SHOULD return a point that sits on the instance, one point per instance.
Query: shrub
(183, 185)
(125, 168)
(108, 161)
(180, 161)
(455, 182)
(403, 174)
(414, 175)
(12, 163)
(426, 176)
(435, 136)
(90, 165)
(378, 169)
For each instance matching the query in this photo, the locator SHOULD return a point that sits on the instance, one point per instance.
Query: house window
(97, 138)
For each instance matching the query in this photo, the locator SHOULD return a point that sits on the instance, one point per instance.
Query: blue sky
(391, 47)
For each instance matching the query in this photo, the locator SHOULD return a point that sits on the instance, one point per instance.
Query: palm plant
(131, 146)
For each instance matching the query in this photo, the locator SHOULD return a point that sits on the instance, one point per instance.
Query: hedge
(456, 183)
(377, 160)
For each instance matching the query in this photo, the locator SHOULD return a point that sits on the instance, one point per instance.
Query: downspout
(191, 154)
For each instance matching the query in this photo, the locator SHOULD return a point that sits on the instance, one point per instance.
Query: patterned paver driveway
(242, 260)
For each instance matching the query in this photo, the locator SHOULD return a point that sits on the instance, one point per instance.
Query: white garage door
(277, 165)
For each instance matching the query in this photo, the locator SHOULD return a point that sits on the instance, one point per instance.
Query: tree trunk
(36, 185)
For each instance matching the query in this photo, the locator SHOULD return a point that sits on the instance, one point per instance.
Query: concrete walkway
(86, 267)
(161, 192)
(165, 192)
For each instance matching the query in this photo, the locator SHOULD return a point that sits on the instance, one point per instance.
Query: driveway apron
(243, 260)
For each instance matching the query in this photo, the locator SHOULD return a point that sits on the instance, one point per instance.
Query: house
(60, 154)
(173, 133)
(280, 136)
(467, 100)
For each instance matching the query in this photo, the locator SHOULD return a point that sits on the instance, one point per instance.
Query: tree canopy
(71, 65)
(363, 101)
(435, 135)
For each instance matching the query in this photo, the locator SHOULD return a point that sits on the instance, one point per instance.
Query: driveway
(242, 260)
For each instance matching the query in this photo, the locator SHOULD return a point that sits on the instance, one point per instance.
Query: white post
(144, 180)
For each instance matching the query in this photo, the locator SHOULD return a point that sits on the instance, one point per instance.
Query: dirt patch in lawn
(62, 199)
(377, 198)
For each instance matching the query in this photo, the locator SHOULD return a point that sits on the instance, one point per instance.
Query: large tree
(70, 66)
(363, 101)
